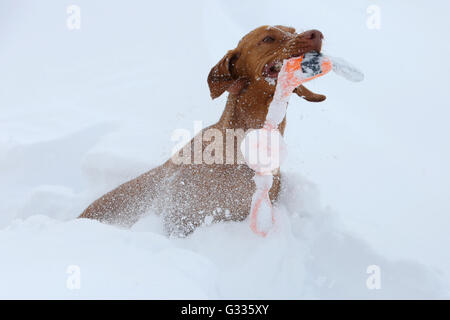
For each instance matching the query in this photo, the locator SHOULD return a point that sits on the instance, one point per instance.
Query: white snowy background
(367, 178)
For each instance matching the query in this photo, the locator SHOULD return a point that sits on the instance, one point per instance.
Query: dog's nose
(313, 35)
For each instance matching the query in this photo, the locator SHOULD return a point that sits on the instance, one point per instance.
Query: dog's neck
(247, 110)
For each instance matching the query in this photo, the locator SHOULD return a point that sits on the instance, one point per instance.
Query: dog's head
(258, 58)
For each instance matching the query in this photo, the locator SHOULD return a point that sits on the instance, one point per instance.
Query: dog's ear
(223, 76)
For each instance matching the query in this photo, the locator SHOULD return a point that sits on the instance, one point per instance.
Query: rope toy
(264, 149)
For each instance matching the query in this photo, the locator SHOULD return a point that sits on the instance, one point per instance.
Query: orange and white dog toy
(264, 149)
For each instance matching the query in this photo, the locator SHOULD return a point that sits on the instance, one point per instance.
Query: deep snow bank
(308, 256)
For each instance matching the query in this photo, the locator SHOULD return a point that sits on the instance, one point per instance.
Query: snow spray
(264, 149)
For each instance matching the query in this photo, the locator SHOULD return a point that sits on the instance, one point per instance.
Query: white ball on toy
(264, 150)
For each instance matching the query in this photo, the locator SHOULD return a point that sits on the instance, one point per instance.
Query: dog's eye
(268, 39)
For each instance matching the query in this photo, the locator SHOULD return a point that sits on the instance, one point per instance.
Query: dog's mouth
(272, 69)
(270, 73)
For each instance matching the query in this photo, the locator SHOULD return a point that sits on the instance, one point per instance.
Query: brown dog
(186, 194)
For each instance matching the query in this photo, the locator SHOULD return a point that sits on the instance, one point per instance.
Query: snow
(366, 177)
(307, 256)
